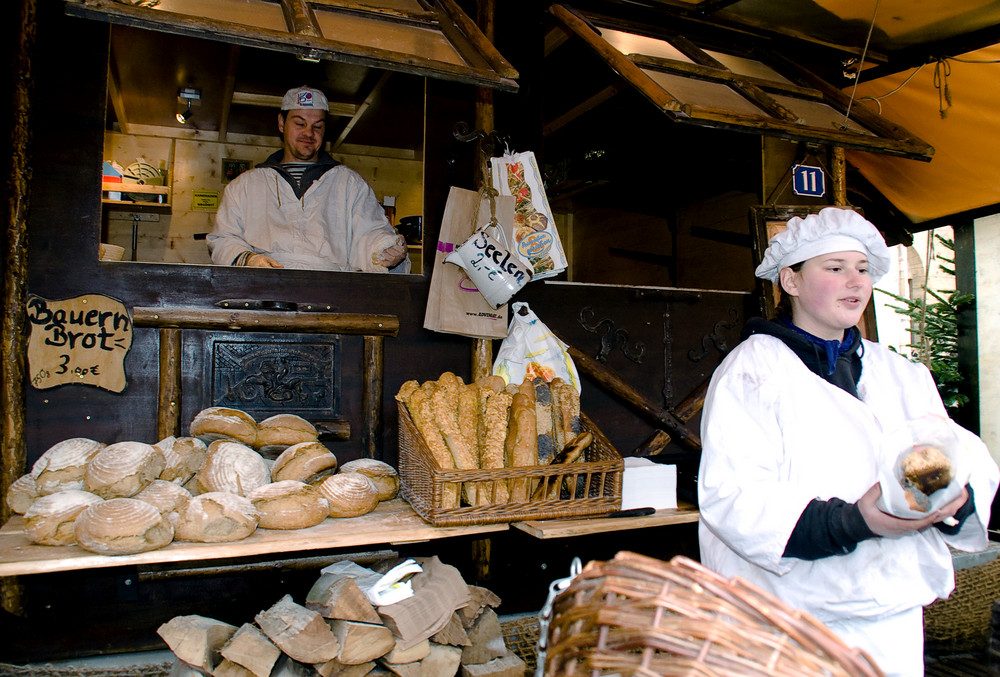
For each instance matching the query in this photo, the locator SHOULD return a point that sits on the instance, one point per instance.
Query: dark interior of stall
(660, 222)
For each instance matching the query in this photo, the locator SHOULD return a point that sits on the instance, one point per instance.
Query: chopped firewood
(339, 669)
(453, 633)
(299, 632)
(508, 666)
(338, 596)
(361, 642)
(288, 667)
(480, 599)
(196, 640)
(181, 669)
(251, 649)
(414, 653)
(413, 669)
(229, 669)
(442, 660)
(486, 637)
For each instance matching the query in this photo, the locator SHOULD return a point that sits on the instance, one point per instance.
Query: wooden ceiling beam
(227, 90)
(115, 94)
(337, 108)
(362, 109)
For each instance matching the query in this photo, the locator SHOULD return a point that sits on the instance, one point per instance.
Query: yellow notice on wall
(79, 340)
(205, 200)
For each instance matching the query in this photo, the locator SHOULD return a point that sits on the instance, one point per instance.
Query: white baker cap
(305, 98)
(831, 230)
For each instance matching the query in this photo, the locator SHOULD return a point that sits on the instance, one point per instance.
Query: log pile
(445, 628)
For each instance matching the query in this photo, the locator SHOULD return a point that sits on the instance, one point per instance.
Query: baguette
(419, 406)
(444, 402)
(565, 412)
(492, 382)
(495, 420)
(543, 420)
(521, 445)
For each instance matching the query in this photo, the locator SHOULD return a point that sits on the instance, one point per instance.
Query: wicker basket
(961, 623)
(638, 616)
(595, 484)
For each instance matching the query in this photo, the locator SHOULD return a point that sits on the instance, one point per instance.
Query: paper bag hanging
(536, 238)
(454, 303)
(531, 350)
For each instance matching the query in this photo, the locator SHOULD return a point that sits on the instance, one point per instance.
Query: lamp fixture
(187, 95)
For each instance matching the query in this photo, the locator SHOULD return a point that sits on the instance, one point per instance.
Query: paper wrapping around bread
(899, 495)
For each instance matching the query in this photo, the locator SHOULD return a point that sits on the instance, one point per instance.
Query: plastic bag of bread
(531, 350)
(923, 467)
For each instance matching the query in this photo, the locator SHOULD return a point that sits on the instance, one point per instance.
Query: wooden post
(168, 421)
(13, 456)
(838, 176)
(371, 398)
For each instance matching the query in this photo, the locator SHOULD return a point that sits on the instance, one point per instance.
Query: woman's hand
(885, 525)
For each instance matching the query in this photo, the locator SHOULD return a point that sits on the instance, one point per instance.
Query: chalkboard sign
(79, 340)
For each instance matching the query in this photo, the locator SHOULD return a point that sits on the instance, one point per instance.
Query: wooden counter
(564, 528)
(393, 522)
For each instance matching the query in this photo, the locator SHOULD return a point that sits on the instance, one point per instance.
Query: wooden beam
(169, 410)
(300, 19)
(482, 44)
(115, 94)
(223, 319)
(227, 90)
(362, 109)
(590, 104)
(423, 18)
(338, 108)
(371, 397)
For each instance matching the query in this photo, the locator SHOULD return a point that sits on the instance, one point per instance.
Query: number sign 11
(808, 181)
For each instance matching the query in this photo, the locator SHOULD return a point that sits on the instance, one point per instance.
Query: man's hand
(390, 256)
(888, 526)
(262, 261)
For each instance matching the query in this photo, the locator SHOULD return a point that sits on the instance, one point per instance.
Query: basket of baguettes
(488, 452)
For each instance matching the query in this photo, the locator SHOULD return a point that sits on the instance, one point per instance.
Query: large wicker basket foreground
(635, 615)
(590, 487)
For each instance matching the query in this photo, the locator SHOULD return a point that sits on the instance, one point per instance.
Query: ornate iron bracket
(612, 338)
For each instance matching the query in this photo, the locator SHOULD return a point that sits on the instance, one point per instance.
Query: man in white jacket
(300, 208)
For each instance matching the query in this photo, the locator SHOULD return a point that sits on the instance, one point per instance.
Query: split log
(480, 598)
(508, 666)
(196, 640)
(338, 596)
(411, 655)
(453, 634)
(299, 632)
(181, 669)
(442, 660)
(288, 667)
(339, 669)
(486, 640)
(229, 669)
(414, 669)
(251, 649)
(361, 642)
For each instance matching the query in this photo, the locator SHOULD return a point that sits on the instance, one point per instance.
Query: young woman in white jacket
(793, 429)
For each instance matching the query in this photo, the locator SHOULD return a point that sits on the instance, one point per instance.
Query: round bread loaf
(278, 432)
(164, 496)
(183, 457)
(307, 462)
(122, 526)
(232, 467)
(383, 475)
(63, 465)
(123, 469)
(289, 504)
(215, 517)
(223, 423)
(349, 494)
(50, 519)
(22, 494)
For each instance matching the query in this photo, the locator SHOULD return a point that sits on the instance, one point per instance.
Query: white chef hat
(304, 98)
(831, 230)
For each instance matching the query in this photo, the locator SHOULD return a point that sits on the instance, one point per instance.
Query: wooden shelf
(564, 528)
(393, 522)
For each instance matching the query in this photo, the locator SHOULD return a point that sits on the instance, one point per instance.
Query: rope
(864, 52)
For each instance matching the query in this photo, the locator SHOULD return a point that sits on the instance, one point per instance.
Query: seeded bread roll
(232, 467)
(215, 517)
(521, 445)
(444, 401)
(22, 494)
(308, 462)
(64, 464)
(495, 420)
(123, 469)
(122, 526)
(289, 504)
(50, 519)
(278, 432)
(383, 475)
(406, 390)
(224, 423)
(164, 496)
(492, 382)
(349, 494)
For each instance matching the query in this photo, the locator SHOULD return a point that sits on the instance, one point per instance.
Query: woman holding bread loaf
(792, 429)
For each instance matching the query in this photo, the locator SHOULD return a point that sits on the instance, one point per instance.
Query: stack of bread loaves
(215, 485)
(490, 424)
